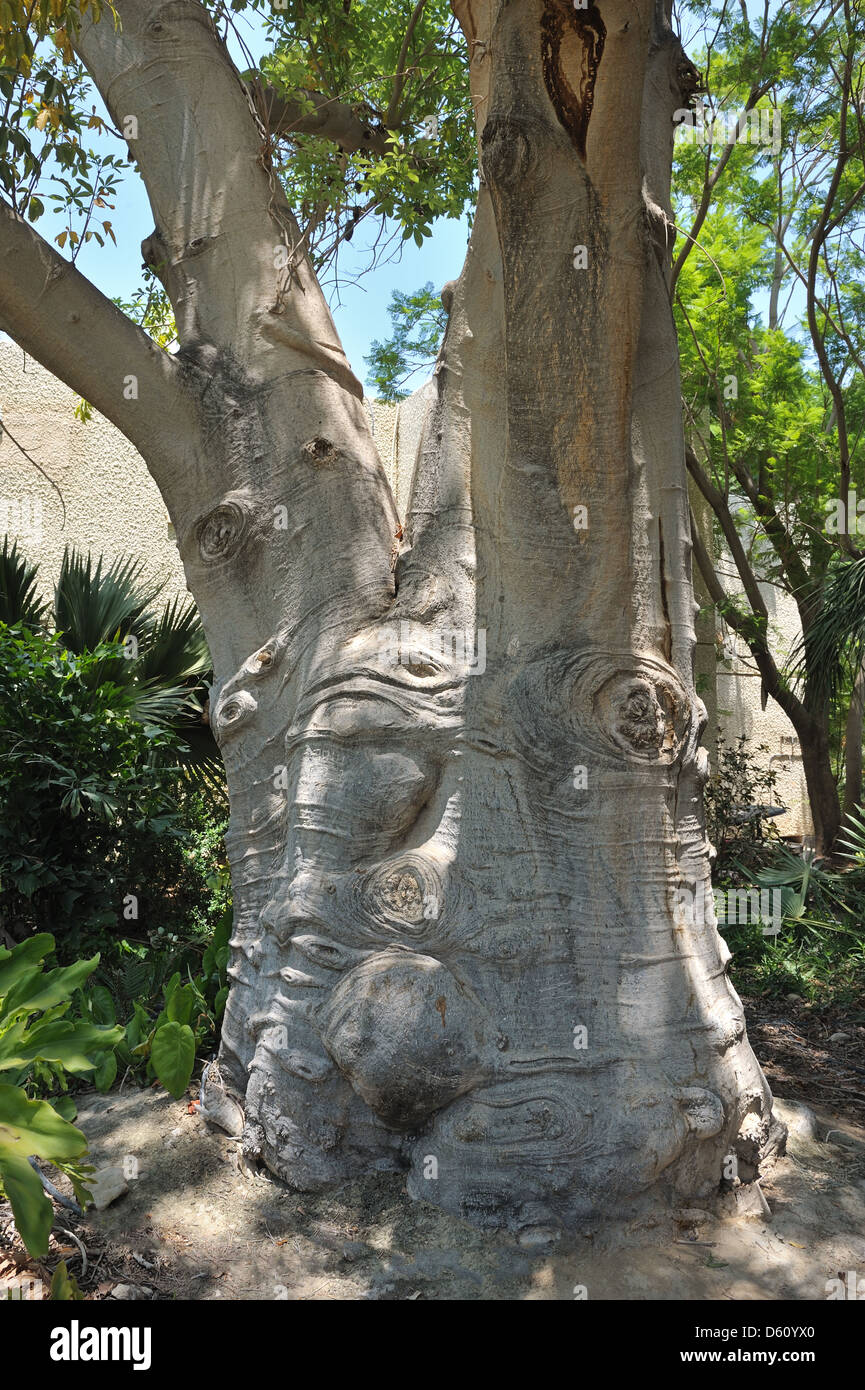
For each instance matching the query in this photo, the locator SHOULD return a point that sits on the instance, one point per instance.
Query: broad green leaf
(15, 963)
(53, 988)
(36, 1126)
(67, 1043)
(180, 1006)
(102, 1005)
(173, 1056)
(31, 1207)
(103, 1077)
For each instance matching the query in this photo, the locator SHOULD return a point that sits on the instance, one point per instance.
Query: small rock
(840, 1037)
(134, 1292)
(794, 999)
(106, 1185)
(693, 1216)
(799, 1119)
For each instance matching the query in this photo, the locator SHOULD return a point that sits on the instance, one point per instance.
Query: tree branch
(717, 502)
(227, 247)
(329, 119)
(765, 662)
(399, 80)
(68, 325)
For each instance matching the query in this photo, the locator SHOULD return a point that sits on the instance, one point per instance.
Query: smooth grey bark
(474, 934)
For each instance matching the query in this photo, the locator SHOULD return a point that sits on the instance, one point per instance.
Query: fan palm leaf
(94, 603)
(19, 601)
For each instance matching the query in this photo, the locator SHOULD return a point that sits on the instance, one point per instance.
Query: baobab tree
(473, 936)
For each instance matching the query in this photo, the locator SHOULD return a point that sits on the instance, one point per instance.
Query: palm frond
(19, 600)
(94, 604)
(173, 645)
(835, 642)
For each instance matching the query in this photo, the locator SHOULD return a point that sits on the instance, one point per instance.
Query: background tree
(418, 321)
(473, 929)
(769, 301)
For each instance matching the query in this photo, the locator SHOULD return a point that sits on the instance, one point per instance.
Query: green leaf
(31, 1206)
(70, 1044)
(105, 1073)
(54, 988)
(102, 1005)
(180, 1006)
(36, 1126)
(65, 1106)
(32, 1127)
(21, 959)
(63, 1285)
(173, 1056)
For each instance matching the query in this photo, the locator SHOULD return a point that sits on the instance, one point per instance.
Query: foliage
(417, 99)
(739, 783)
(418, 321)
(35, 1036)
(98, 832)
(83, 781)
(401, 70)
(162, 659)
(771, 315)
(836, 638)
(19, 600)
(171, 1022)
(64, 1286)
(819, 954)
(45, 94)
(104, 841)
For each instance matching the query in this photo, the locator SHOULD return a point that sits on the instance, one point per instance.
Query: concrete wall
(739, 708)
(112, 504)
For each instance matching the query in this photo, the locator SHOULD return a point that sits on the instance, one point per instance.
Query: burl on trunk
(464, 863)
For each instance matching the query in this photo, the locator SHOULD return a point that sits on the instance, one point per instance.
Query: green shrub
(34, 1035)
(87, 792)
(736, 784)
(819, 953)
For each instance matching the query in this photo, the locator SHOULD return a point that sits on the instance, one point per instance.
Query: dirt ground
(192, 1226)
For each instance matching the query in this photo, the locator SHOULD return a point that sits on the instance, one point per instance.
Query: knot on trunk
(511, 151)
(221, 533)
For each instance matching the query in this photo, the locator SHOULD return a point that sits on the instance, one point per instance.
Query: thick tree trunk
(474, 933)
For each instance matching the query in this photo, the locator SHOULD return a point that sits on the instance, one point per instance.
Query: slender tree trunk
(474, 933)
(820, 781)
(853, 745)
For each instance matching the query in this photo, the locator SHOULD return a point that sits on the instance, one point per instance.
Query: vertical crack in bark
(665, 605)
(574, 109)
